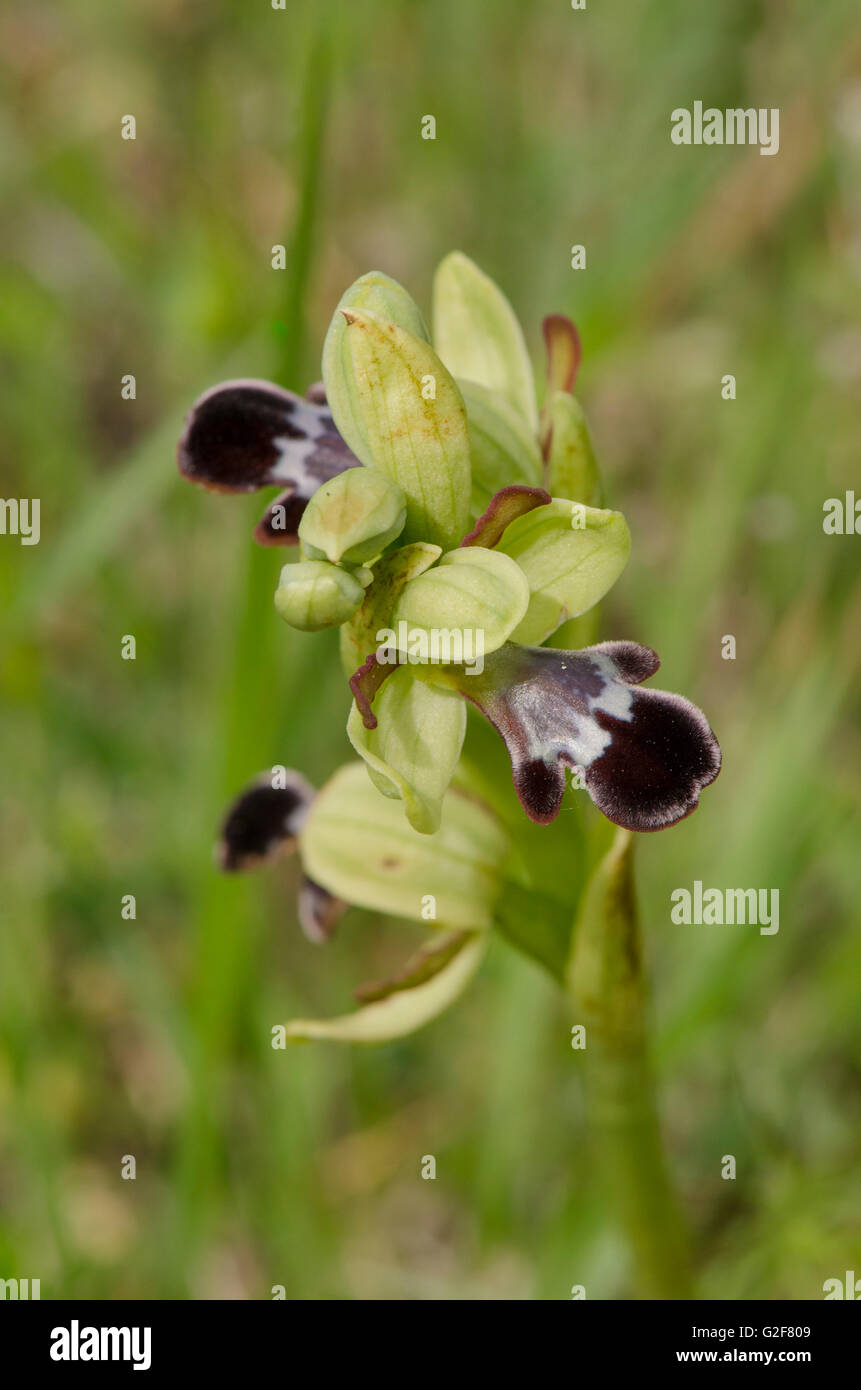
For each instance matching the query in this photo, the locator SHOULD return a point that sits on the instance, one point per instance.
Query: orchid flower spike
(449, 528)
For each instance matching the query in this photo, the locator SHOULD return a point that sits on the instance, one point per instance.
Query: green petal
(569, 567)
(403, 1011)
(477, 335)
(380, 295)
(503, 449)
(413, 423)
(476, 596)
(358, 845)
(413, 751)
(572, 469)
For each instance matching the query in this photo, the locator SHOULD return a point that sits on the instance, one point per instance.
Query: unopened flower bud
(314, 594)
(353, 517)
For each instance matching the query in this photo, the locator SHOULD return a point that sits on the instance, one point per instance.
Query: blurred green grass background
(151, 1037)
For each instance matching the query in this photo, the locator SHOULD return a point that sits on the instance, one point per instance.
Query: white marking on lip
(616, 698)
(293, 456)
(583, 740)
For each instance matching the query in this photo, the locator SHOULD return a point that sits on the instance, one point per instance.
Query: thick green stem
(607, 987)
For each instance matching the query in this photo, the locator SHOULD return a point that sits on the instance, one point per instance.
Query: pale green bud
(353, 517)
(314, 594)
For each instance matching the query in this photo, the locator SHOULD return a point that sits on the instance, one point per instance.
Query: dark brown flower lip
(247, 434)
(645, 754)
(279, 524)
(263, 822)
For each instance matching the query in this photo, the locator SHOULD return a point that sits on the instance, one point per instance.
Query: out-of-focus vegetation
(152, 1037)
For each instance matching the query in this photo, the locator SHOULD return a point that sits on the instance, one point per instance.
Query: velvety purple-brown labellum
(279, 524)
(264, 821)
(645, 754)
(245, 435)
(504, 507)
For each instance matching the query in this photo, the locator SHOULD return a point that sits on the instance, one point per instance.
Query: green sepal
(359, 846)
(477, 335)
(412, 420)
(503, 449)
(381, 295)
(570, 555)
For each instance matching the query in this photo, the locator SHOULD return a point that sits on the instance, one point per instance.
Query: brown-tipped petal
(319, 911)
(279, 524)
(645, 754)
(264, 821)
(505, 506)
(244, 435)
(564, 352)
(365, 683)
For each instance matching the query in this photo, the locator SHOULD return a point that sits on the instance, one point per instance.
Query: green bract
(477, 335)
(394, 394)
(415, 747)
(314, 594)
(572, 467)
(570, 555)
(353, 517)
(472, 591)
